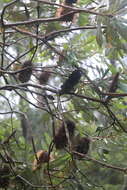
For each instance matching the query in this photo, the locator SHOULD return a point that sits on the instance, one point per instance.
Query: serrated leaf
(112, 68)
(122, 86)
(6, 1)
(121, 28)
(121, 105)
(61, 160)
(111, 53)
(112, 36)
(117, 4)
(123, 4)
(122, 12)
(47, 138)
(83, 20)
(99, 36)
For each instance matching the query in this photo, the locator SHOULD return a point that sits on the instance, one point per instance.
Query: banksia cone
(44, 77)
(72, 80)
(82, 146)
(60, 139)
(43, 157)
(64, 13)
(24, 76)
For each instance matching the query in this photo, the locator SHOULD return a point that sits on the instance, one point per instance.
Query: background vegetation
(41, 44)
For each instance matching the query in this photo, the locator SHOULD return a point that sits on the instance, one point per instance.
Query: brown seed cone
(60, 139)
(60, 12)
(43, 157)
(44, 77)
(71, 82)
(24, 76)
(82, 147)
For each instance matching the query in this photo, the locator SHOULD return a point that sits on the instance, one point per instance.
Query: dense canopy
(63, 94)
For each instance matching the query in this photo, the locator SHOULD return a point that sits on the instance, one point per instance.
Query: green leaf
(121, 28)
(99, 34)
(83, 19)
(122, 86)
(123, 3)
(47, 138)
(60, 161)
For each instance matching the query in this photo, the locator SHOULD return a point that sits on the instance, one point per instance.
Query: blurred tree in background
(63, 94)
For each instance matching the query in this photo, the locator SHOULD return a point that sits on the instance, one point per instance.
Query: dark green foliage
(105, 151)
(4, 176)
(91, 36)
